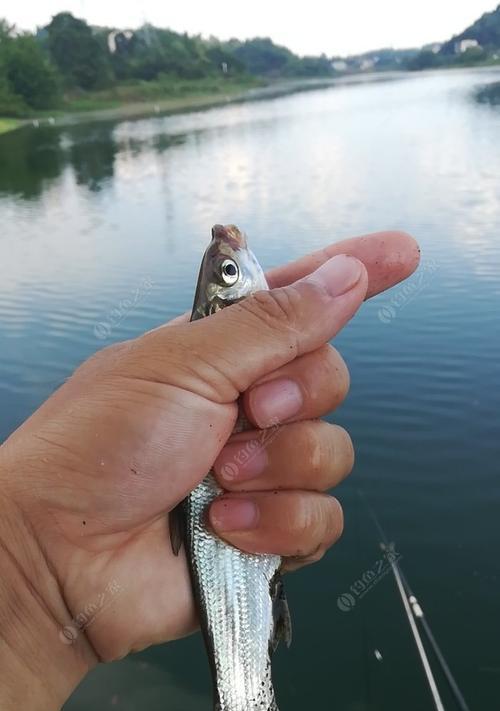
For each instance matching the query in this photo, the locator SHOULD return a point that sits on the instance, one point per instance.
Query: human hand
(88, 479)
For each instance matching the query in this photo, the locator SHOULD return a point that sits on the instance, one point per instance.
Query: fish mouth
(230, 235)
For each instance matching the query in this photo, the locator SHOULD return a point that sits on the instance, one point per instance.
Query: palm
(123, 584)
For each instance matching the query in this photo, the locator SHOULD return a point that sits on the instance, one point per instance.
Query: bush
(28, 73)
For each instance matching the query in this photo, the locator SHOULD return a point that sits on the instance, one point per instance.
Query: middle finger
(306, 388)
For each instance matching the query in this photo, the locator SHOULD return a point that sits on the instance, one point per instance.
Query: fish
(240, 597)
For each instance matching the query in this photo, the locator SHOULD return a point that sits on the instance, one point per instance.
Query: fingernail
(275, 401)
(233, 515)
(338, 275)
(240, 461)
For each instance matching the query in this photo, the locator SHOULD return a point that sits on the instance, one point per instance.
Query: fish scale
(241, 603)
(231, 589)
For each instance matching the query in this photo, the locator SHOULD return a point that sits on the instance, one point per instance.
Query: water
(102, 230)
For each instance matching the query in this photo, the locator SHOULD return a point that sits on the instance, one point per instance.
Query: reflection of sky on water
(89, 212)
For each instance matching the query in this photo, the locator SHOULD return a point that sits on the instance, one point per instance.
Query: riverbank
(151, 98)
(155, 98)
(148, 99)
(143, 99)
(136, 99)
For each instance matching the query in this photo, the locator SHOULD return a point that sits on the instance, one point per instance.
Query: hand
(88, 479)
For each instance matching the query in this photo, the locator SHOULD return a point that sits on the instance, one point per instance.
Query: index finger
(389, 257)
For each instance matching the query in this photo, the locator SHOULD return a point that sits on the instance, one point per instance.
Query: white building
(464, 45)
(124, 35)
(339, 65)
(368, 64)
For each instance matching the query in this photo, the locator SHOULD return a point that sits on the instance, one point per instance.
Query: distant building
(339, 65)
(434, 48)
(367, 64)
(119, 39)
(465, 44)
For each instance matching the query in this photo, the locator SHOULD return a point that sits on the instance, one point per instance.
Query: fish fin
(176, 526)
(281, 614)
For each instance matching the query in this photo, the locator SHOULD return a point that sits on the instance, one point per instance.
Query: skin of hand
(88, 573)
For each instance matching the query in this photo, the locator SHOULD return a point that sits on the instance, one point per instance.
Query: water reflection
(489, 94)
(89, 212)
(32, 159)
(29, 160)
(92, 155)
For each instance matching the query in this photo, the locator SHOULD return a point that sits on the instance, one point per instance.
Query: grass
(8, 124)
(166, 89)
(135, 98)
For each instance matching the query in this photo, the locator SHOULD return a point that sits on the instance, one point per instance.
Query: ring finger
(312, 455)
(298, 525)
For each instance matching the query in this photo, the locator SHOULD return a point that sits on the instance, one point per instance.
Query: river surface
(102, 227)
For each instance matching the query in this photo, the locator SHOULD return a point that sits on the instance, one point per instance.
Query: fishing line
(414, 613)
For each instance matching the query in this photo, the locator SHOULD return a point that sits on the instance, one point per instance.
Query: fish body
(240, 597)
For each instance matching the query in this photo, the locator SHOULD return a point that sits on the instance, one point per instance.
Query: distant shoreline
(199, 101)
(189, 102)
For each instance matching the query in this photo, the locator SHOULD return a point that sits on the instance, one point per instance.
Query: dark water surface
(102, 230)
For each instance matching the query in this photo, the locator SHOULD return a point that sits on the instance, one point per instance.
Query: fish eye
(229, 272)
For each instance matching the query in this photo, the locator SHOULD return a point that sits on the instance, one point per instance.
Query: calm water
(102, 230)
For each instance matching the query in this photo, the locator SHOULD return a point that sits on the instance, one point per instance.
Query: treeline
(427, 59)
(68, 56)
(485, 31)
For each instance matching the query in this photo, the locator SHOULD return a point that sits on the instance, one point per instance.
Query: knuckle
(342, 451)
(342, 376)
(334, 521)
(278, 308)
(326, 453)
(103, 360)
(310, 444)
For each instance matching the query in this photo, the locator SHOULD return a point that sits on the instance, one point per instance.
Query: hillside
(486, 31)
(476, 45)
(71, 65)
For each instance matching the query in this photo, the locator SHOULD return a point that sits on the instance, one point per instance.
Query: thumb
(231, 349)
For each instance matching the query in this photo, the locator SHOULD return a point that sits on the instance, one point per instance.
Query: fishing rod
(414, 613)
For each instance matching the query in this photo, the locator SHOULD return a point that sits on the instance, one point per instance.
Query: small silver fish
(240, 597)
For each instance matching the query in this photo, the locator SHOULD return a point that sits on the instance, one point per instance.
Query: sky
(311, 27)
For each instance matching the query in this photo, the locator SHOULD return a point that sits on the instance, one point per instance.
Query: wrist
(40, 666)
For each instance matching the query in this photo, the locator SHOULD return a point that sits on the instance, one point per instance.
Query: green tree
(81, 58)
(10, 104)
(426, 59)
(473, 55)
(261, 56)
(29, 73)
(309, 67)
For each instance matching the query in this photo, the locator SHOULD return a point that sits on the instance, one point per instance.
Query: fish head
(229, 272)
